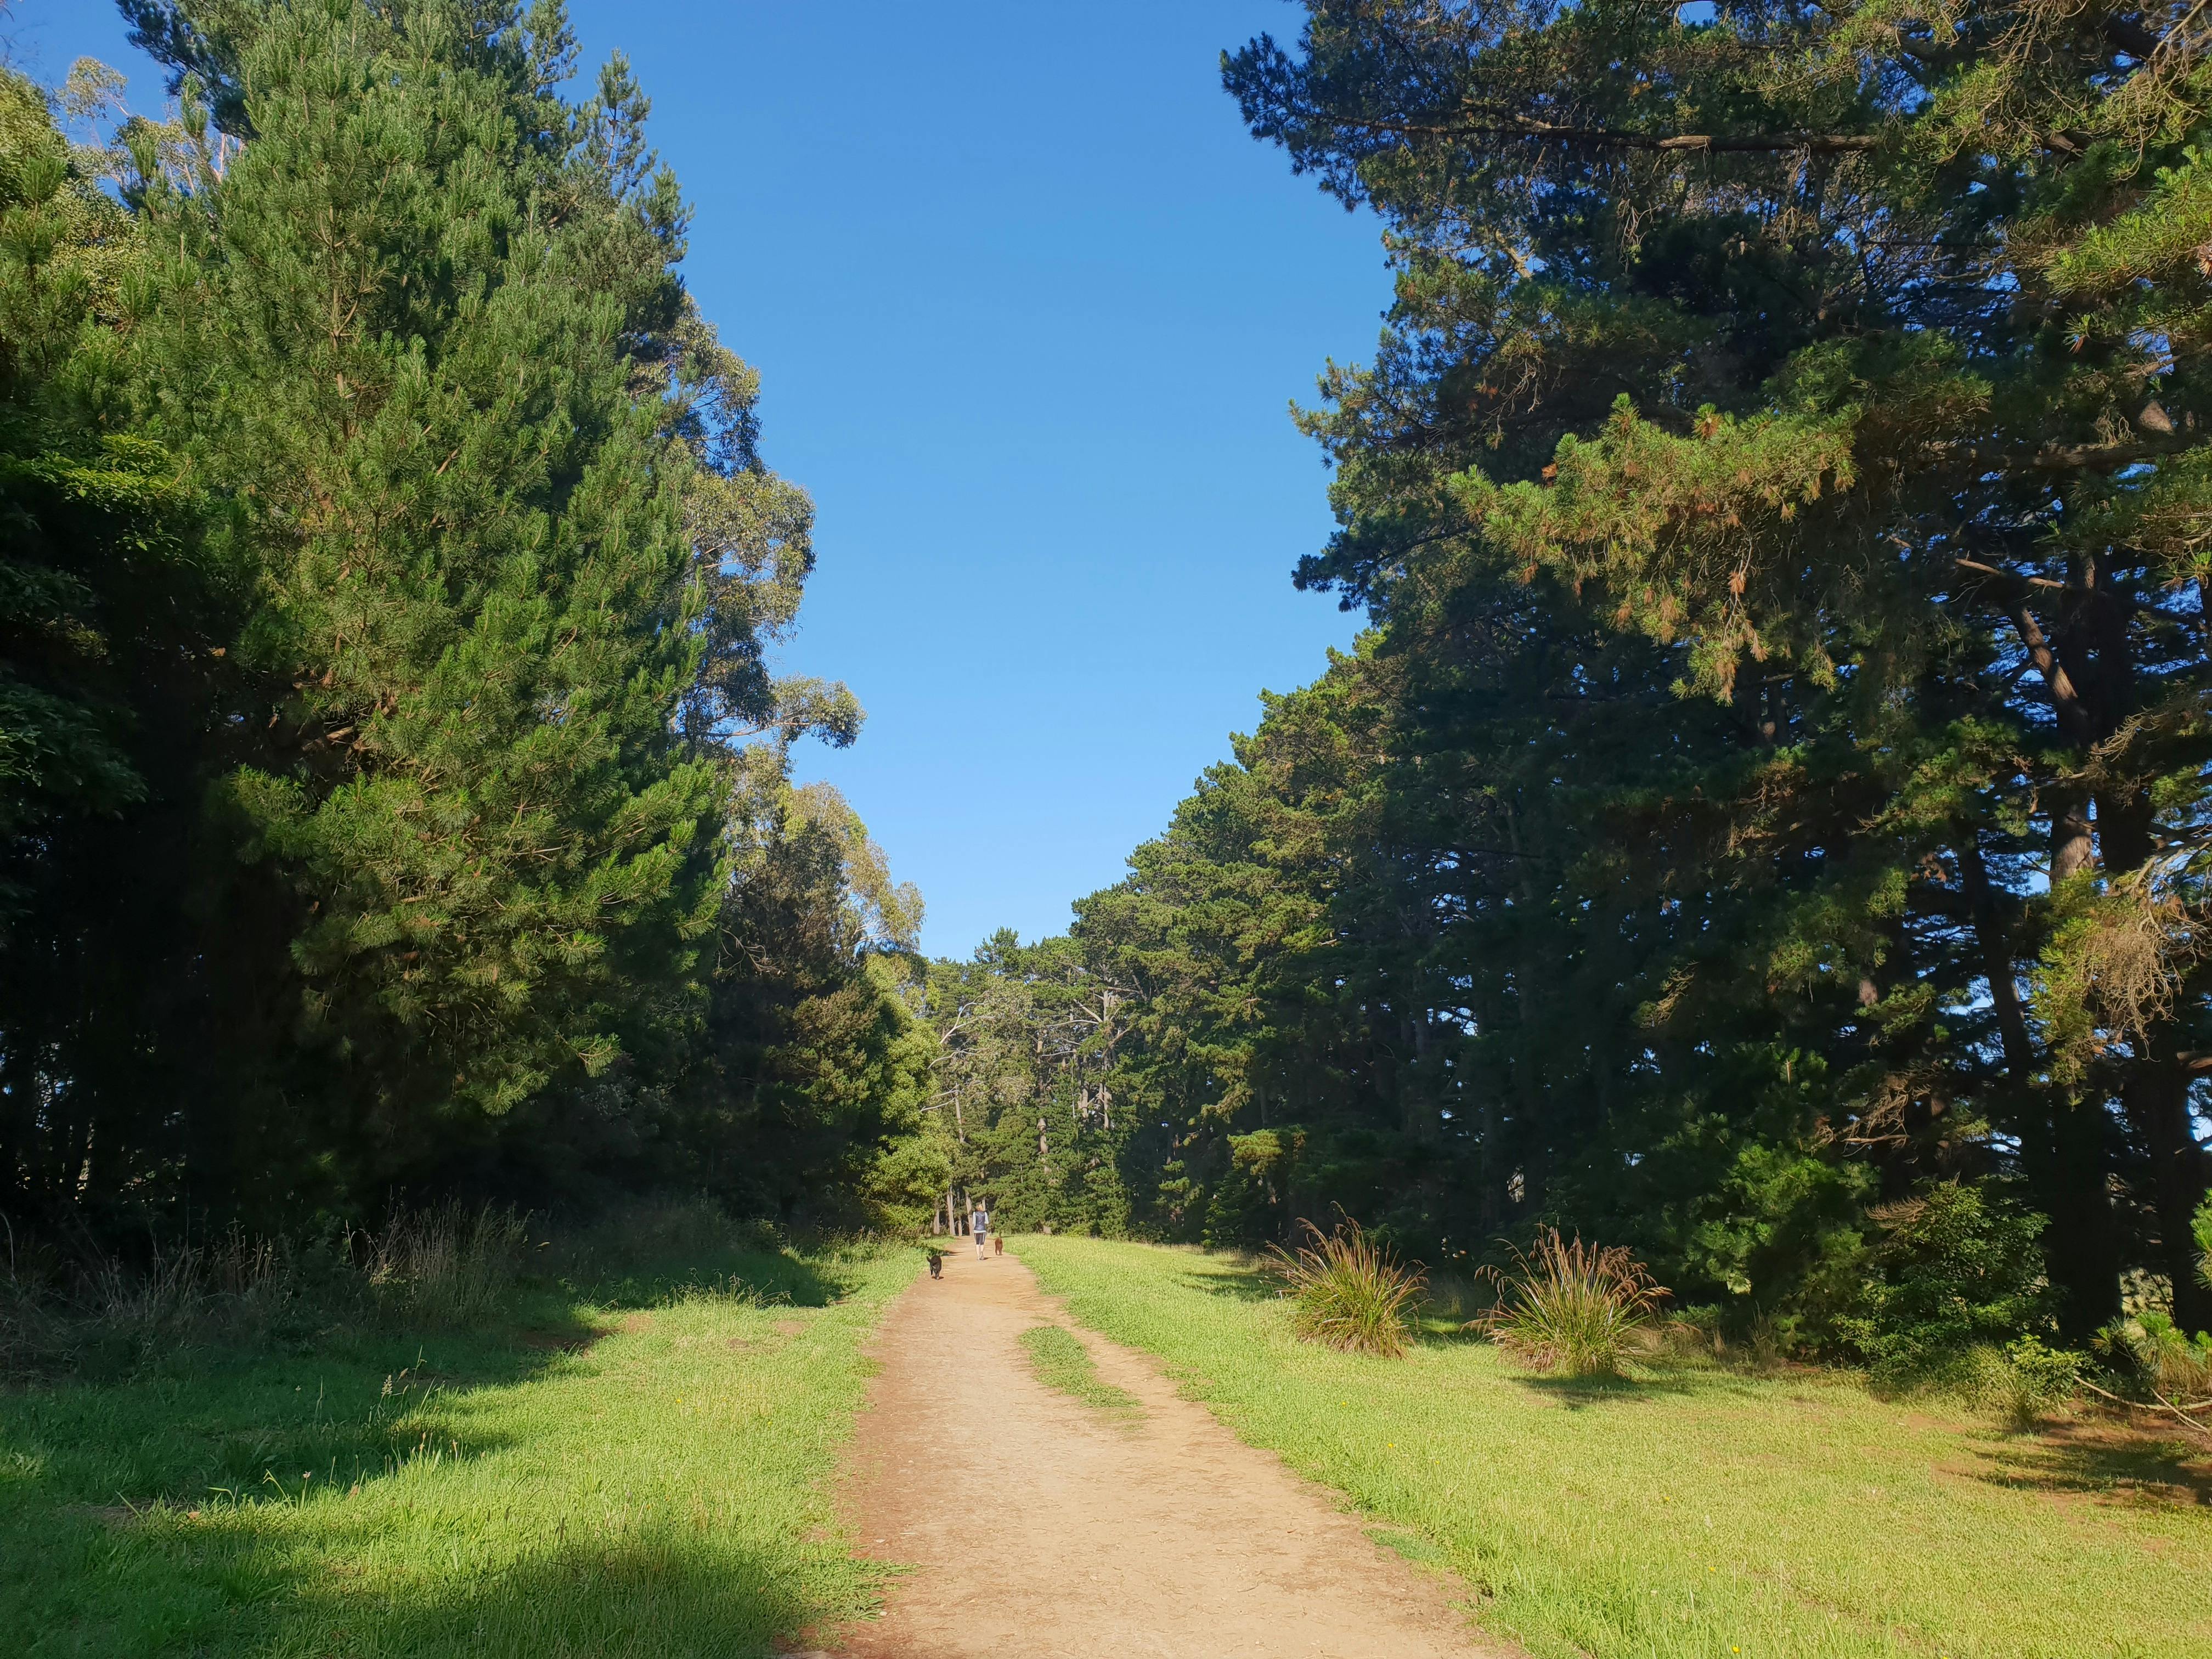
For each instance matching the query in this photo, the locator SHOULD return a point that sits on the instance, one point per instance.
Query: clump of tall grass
(1574, 1308)
(1347, 1291)
(56, 1314)
(450, 1265)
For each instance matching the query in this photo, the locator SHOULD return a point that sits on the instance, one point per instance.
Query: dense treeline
(393, 793)
(1773, 789)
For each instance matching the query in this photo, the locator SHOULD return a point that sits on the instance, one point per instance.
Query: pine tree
(1849, 354)
(424, 331)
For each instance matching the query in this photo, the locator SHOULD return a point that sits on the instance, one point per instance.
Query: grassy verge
(631, 1467)
(1063, 1363)
(1695, 1512)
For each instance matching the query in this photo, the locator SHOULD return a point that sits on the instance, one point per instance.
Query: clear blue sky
(1030, 305)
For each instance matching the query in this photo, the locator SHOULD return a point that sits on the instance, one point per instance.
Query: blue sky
(1030, 305)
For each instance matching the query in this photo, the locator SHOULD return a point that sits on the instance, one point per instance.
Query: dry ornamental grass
(1572, 1307)
(1347, 1291)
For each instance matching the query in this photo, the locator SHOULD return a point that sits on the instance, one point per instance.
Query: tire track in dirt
(1035, 1527)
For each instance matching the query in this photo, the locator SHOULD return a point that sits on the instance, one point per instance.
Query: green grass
(1696, 1510)
(1061, 1362)
(638, 1470)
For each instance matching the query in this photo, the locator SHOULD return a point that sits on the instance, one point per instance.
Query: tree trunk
(2156, 1100)
(2064, 1145)
(2083, 1246)
(2063, 1150)
(2155, 1096)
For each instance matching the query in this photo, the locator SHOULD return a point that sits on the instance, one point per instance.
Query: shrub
(2027, 1379)
(1957, 1269)
(2150, 1349)
(1348, 1291)
(1573, 1307)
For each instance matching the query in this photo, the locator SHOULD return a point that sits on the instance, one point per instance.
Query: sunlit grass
(1698, 1511)
(640, 1474)
(1060, 1361)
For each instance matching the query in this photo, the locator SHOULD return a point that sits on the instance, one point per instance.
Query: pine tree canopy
(1776, 777)
(379, 352)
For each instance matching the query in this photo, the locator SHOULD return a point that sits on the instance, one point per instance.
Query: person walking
(979, 1222)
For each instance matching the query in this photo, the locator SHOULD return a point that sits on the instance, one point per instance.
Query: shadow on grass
(663, 1590)
(254, 1426)
(258, 1423)
(2096, 1460)
(1648, 1379)
(1232, 1280)
(667, 1591)
(1445, 1331)
(779, 1277)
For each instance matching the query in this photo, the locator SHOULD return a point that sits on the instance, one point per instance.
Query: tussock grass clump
(449, 1266)
(1575, 1308)
(1349, 1292)
(57, 1314)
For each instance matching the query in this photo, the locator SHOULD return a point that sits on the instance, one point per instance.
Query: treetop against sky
(1029, 306)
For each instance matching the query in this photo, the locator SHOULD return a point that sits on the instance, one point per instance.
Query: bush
(2201, 1228)
(2027, 1379)
(1349, 1292)
(1572, 1307)
(1958, 1269)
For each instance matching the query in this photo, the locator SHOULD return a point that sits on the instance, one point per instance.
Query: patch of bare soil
(2103, 1459)
(1037, 1528)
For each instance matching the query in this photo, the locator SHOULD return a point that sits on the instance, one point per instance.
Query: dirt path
(1038, 1530)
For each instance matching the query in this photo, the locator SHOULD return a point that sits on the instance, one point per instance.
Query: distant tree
(814, 1071)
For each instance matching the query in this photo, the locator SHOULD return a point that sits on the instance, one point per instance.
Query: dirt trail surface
(1037, 1526)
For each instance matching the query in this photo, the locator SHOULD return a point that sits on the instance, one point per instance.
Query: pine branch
(1816, 143)
(2164, 1405)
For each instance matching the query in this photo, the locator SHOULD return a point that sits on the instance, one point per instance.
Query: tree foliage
(1774, 778)
(394, 582)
